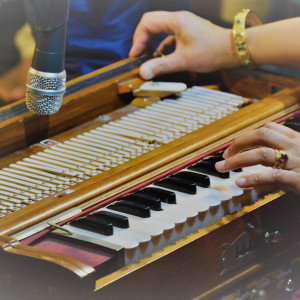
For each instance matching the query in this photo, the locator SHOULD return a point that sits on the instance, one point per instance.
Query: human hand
(200, 45)
(260, 144)
(12, 83)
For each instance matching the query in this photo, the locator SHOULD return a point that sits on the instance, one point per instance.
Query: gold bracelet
(240, 37)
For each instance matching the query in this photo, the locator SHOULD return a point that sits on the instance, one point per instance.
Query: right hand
(260, 144)
(12, 83)
(200, 45)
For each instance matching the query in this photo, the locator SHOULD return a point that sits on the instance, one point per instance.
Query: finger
(261, 137)
(264, 156)
(151, 24)
(141, 44)
(259, 156)
(284, 179)
(167, 45)
(160, 65)
(282, 129)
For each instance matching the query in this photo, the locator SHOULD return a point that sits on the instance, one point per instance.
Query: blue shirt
(100, 31)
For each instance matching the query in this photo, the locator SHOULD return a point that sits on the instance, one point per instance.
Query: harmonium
(116, 195)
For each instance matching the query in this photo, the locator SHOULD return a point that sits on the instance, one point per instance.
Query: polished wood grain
(186, 269)
(115, 178)
(191, 267)
(27, 128)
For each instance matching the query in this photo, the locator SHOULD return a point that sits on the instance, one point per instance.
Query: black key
(215, 158)
(116, 220)
(219, 154)
(96, 225)
(200, 179)
(131, 208)
(152, 201)
(293, 125)
(178, 184)
(164, 195)
(296, 118)
(219, 157)
(208, 167)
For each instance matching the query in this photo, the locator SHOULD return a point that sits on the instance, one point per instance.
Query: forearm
(204, 47)
(275, 43)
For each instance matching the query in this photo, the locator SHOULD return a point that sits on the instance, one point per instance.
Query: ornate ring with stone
(281, 159)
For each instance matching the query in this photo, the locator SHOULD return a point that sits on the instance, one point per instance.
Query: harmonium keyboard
(116, 196)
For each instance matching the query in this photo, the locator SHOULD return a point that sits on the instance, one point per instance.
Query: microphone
(46, 79)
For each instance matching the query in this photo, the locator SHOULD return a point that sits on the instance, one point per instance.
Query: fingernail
(241, 181)
(146, 73)
(220, 164)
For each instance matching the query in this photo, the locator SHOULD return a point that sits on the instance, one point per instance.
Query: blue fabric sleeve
(100, 32)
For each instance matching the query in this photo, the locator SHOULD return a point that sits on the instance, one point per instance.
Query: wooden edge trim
(104, 281)
(74, 265)
(155, 159)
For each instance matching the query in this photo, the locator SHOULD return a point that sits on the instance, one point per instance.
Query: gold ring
(281, 159)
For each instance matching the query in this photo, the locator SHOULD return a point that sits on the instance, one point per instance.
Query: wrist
(228, 55)
(240, 38)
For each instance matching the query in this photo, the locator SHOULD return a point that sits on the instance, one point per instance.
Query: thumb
(159, 66)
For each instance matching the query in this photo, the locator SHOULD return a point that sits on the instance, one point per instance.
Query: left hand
(260, 145)
(200, 46)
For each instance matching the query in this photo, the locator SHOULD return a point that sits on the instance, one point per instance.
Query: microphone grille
(44, 91)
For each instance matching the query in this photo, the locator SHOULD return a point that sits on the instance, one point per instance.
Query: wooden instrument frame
(81, 280)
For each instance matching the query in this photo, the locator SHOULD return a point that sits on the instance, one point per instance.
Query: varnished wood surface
(13, 246)
(191, 267)
(116, 177)
(186, 269)
(255, 84)
(173, 272)
(27, 128)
